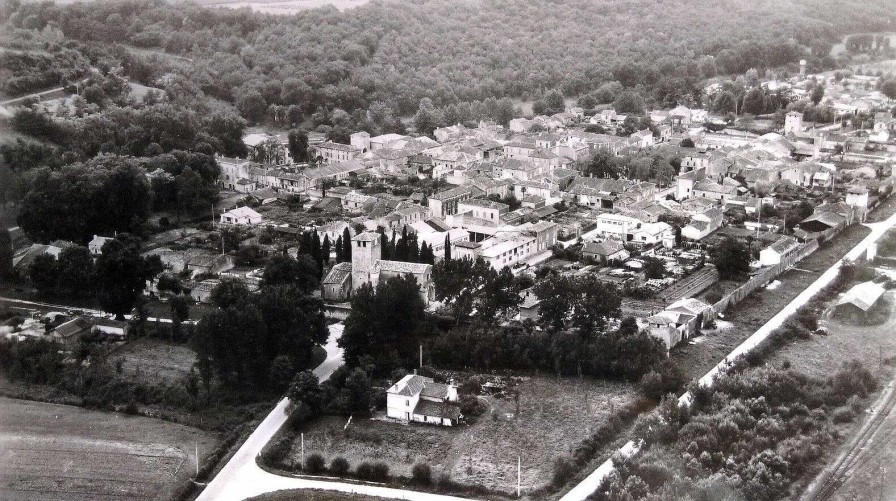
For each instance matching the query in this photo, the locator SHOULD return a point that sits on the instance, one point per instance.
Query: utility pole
(303, 450)
(421, 356)
(197, 460)
(519, 464)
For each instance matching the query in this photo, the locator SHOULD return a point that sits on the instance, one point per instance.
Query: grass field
(151, 361)
(314, 495)
(756, 309)
(555, 416)
(819, 357)
(59, 453)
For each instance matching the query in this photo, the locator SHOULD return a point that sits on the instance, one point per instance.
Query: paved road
(241, 478)
(592, 481)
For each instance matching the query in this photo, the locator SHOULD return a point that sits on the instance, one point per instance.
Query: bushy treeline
(622, 353)
(138, 131)
(751, 436)
(397, 54)
(474, 290)
(22, 72)
(109, 194)
(260, 340)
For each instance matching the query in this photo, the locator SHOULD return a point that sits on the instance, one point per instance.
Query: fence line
(765, 276)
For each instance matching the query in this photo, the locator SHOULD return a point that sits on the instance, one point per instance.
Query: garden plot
(555, 415)
(152, 361)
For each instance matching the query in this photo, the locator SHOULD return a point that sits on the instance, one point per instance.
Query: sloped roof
(409, 385)
(243, 212)
(73, 327)
(444, 410)
(607, 248)
(862, 296)
(784, 245)
(338, 273)
(403, 267)
(689, 305)
(367, 236)
(338, 147)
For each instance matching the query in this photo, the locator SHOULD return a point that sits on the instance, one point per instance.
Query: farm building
(773, 254)
(421, 399)
(861, 302)
(610, 250)
(680, 321)
(242, 216)
(202, 291)
(69, 333)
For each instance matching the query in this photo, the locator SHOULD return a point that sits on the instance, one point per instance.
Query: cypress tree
(384, 245)
(325, 249)
(447, 248)
(413, 250)
(346, 245)
(338, 246)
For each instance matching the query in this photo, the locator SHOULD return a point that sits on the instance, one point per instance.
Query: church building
(367, 267)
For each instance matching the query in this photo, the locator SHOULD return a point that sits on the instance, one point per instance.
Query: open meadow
(60, 453)
(152, 361)
(555, 415)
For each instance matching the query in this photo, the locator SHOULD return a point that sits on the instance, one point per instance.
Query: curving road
(241, 478)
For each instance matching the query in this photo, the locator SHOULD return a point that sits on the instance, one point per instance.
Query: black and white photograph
(447, 250)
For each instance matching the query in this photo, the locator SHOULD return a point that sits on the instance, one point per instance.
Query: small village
(517, 198)
(487, 310)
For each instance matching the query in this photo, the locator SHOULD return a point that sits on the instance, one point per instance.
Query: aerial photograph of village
(447, 250)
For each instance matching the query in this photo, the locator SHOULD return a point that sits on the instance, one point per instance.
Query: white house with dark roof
(421, 399)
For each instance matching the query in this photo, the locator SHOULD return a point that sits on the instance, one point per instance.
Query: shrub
(470, 406)
(843, 415)
(380, 472)
(714, 295)
(807, 317)
(364, 471)
(564, 469)
(421, 473)
(315, 464)
(339, 466)
(444, 481)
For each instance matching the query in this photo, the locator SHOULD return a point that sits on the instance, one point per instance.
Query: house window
(407, 403)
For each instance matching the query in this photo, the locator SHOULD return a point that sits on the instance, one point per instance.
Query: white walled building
(421, 399)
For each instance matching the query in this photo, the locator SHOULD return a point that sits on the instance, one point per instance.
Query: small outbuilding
(861, 303)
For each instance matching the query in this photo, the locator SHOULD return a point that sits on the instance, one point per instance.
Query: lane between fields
(590, 484)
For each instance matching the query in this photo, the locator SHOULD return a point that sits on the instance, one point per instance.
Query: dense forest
(397, 53)
(211, 72)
